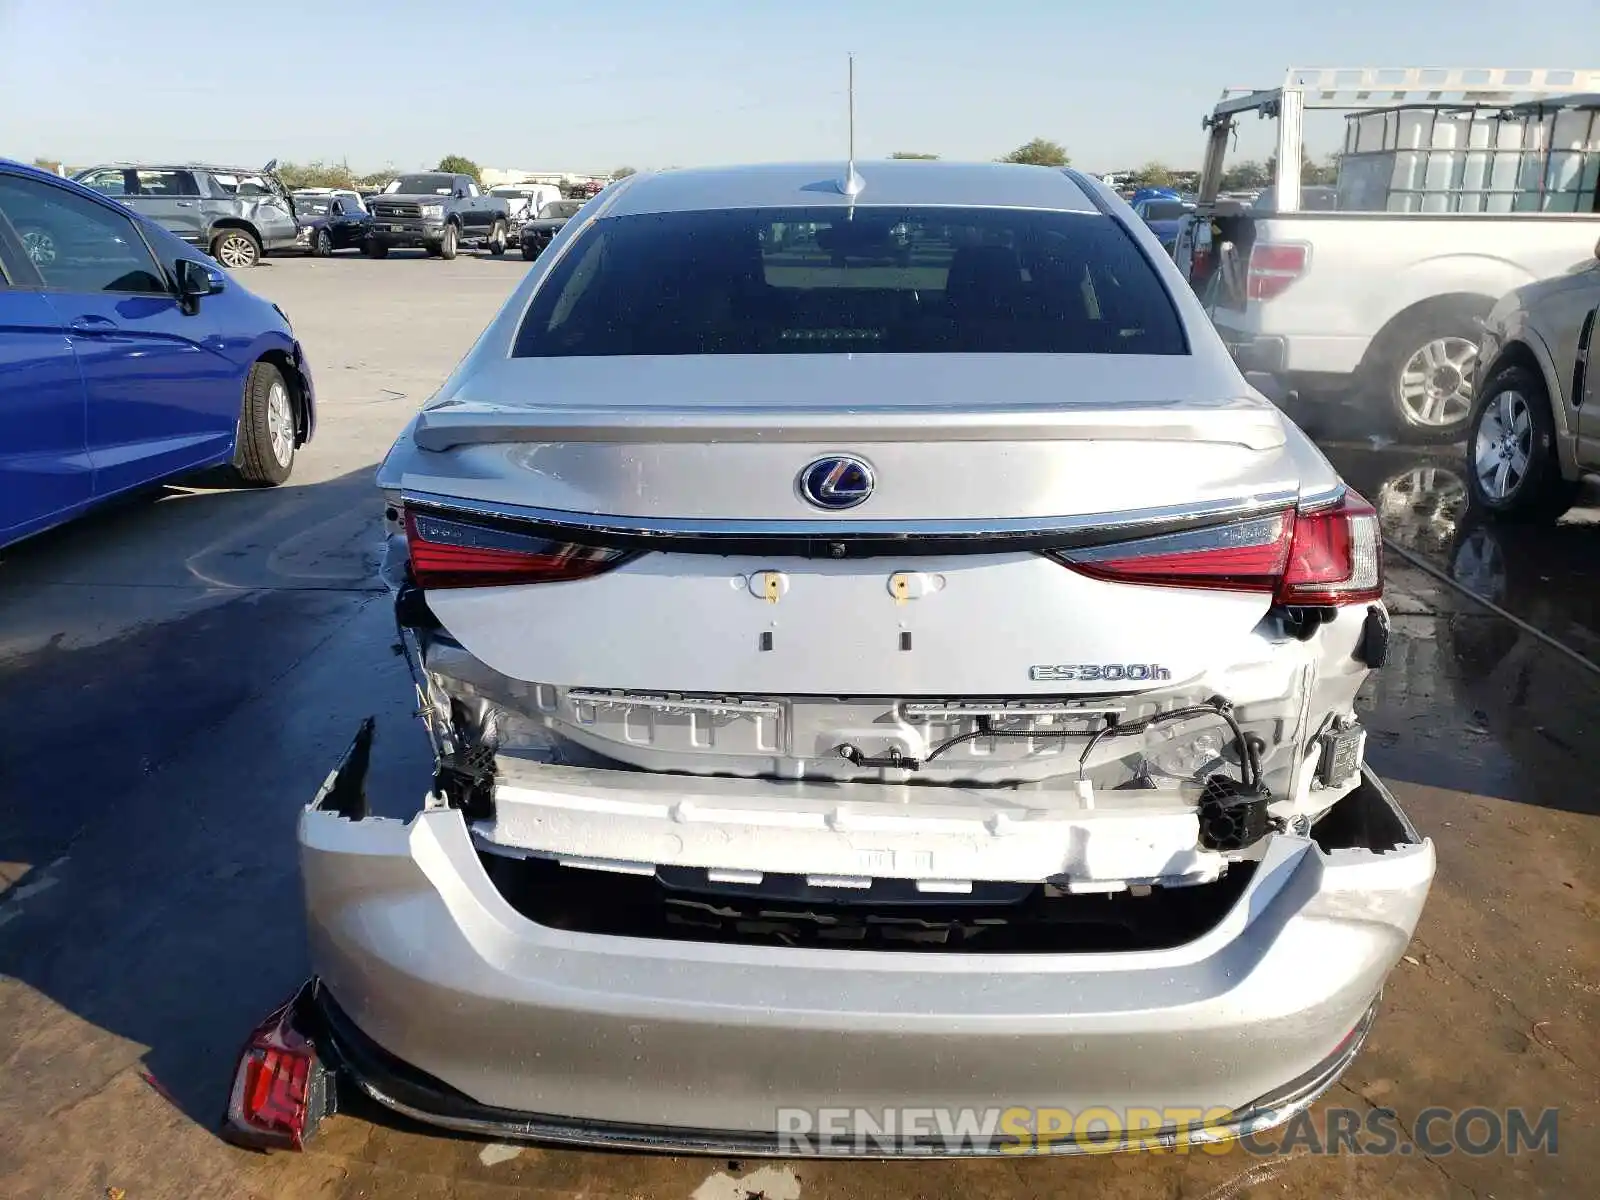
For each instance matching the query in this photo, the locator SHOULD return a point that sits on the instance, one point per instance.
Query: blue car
(127, 358)
(1164, 214)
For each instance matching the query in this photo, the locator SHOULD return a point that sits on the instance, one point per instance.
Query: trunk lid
(935, 585)
(971, 438)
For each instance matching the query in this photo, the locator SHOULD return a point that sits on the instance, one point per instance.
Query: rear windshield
(421, 185)
(881, 281)
(1166, 210)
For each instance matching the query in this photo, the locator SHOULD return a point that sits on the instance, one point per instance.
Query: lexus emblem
(837, 482)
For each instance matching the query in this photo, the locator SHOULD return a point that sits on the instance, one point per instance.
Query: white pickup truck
(1455, 186)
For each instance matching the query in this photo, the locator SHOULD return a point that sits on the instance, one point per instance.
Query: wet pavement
(1548, 576)
(177, 675)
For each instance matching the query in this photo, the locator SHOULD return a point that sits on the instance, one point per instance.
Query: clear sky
(595, 84)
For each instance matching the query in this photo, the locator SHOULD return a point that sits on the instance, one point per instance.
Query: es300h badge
(1097, 672)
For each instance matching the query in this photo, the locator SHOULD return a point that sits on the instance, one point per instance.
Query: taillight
(280, 1087)
(1274, 266)
(1337, 556)
(1247, 556)
(451, 553)
(1325, 557)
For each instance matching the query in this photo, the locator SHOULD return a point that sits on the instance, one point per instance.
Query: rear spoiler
(452, 424)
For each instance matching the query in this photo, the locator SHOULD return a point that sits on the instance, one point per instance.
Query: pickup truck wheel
(236, 248)
(1423, 366)
(373, 248)
(1513, 470)
(265, 453)
(449, 242)
(497, 239)
(528, 252)
(321, 244)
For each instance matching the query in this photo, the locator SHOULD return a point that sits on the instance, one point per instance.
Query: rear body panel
(819, 745)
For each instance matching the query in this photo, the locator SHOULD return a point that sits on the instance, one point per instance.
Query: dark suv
(439, 212)
(234, 213)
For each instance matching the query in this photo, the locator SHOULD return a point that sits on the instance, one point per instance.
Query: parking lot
(177, 675)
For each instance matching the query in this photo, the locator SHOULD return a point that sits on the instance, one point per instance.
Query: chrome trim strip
(1129, 519)
(1328, 497)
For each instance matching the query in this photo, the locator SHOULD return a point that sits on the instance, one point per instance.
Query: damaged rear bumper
(444, 1001)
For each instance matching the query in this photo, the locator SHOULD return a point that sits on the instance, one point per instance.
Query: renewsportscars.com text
(1021, 1130)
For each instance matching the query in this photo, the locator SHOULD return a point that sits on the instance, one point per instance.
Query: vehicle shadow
(178, 675)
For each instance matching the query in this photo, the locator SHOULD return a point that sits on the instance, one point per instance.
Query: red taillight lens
(1246, 556)
(1337, 557)
(1322, 558)
(280, 1089)
(1274, 266)
(447, 552)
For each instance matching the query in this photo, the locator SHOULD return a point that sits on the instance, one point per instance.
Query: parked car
(1535, 426)
(769, 774)
(235, 214)
(1383, 298)
(127, 358)
(331, 219)
(440, 213)
(585, 189)
(1164, 214)
(536, 234)
(1139, 195)
(524, 200)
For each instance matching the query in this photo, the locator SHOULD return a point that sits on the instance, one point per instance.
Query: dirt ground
(177, 675)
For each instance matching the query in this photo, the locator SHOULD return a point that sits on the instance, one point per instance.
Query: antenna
(852, 183)
(850, 101)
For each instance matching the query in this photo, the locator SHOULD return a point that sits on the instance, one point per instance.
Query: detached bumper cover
(362, 1063)
(452, 1007)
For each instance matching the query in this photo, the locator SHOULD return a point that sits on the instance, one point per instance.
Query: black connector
(893, 759)
(1233, 815)
(465, 779)
(1373, 648)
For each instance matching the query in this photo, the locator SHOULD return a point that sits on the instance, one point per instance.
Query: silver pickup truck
(236, 214)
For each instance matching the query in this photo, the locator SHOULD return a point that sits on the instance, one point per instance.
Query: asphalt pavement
(178, 674)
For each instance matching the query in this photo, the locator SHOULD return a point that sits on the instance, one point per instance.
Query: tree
(1326, 172)
(316, 174)
(912, 155)
(1247, 174)
(376, 181)
(1152, 174)
(1041, 152)
(456, 164)
(623, 172)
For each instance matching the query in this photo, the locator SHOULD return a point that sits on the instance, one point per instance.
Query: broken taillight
(447, 552)
(1274, 266)
(1337, 556)
(1317, 558)
(280, 1087)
